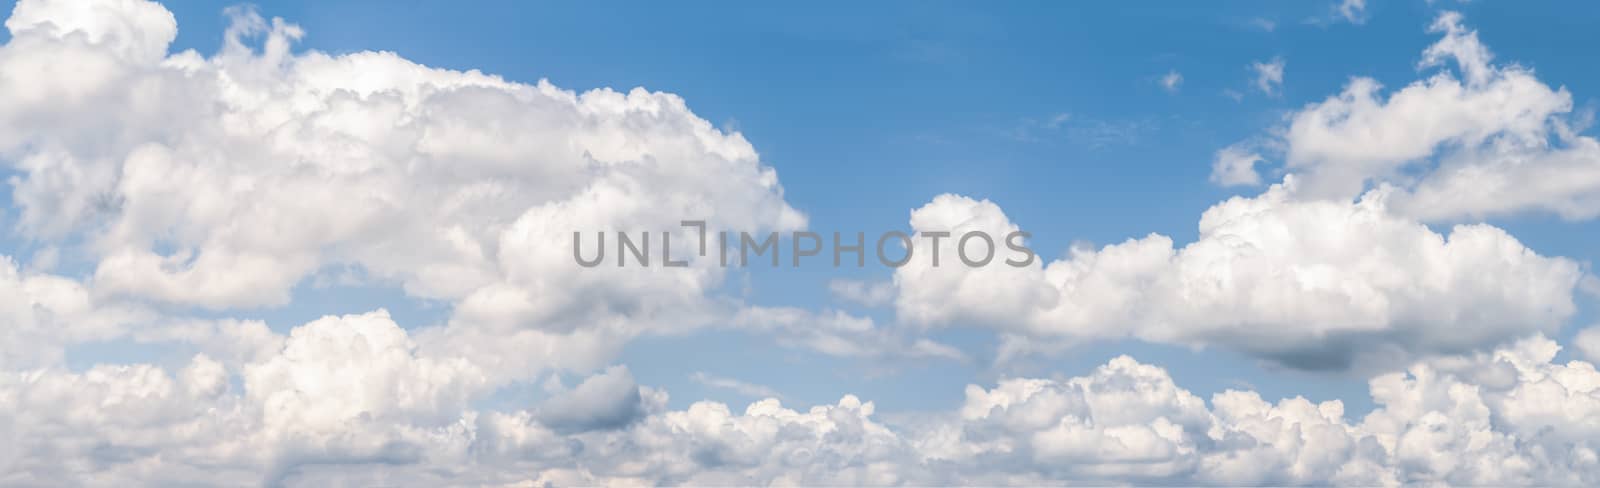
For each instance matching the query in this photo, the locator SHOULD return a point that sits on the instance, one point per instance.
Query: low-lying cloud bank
(349, 400)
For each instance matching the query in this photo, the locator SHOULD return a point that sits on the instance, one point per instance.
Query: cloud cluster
(225, 181)
(1507, 417)
(1307, 283)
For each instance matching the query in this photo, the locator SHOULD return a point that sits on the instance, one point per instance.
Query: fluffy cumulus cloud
(1235, 166)
(340, 389)
(224, 181)
(41, 314)
(1507, 417)
(1587, 342)
(1485, 139)
(1309, 284)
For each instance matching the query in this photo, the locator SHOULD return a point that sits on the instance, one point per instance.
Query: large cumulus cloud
(1307, 283)
(1486, 139)
(224, 181)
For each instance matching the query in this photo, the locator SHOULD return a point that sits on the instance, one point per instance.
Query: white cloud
(871, 294)
(41, 314)
(1268, 75)
(133, 30)
(1236, 165)
(609, 400)
(737, 386)
(1309, 284)
(224, 181)
(1480, 141)
(1352, 11)
(1171, 81)
(1128, 421)
(836, 333)
(107, 422)
(1510, 417)
(1057, 120)
(338, 369)
(1587, 342)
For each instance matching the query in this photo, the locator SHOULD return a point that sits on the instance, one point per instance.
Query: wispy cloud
(743, 388)
(1171, 81)
(1264, 23)
(1269, 75)
(1084, 131)
(862, 292)
(1352, 11)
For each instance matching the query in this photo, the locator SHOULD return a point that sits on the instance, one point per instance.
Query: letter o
(906, 239)
(961, 249)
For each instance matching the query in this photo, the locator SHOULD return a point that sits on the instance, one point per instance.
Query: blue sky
(1090, 124)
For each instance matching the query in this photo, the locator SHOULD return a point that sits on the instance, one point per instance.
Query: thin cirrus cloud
(176, 193)
(741, 387)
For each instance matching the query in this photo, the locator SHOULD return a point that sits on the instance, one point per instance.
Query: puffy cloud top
(1309, 284)
(1482, 140)
(1507, 417)
(224, 181)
